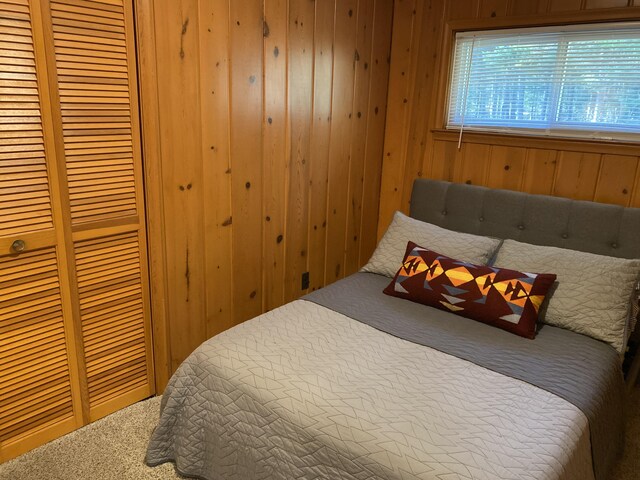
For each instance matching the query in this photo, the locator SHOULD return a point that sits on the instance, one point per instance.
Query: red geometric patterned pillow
(504, 298)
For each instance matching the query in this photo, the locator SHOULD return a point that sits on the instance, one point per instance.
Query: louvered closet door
(96, 77)
(39, 393)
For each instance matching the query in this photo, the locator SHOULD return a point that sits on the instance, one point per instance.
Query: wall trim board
(541, 142)
(601, 15)
(154, 200)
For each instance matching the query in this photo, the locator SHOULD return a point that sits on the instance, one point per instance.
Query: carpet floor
(113, 449)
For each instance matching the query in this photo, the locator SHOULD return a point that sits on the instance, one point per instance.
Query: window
(569, 81)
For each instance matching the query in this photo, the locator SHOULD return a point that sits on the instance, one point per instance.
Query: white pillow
(387, 258)
(592, 292)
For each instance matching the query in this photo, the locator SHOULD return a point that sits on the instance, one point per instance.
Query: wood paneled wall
(416, 144)
(263, 126)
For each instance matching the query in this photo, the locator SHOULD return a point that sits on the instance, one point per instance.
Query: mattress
(349, 383)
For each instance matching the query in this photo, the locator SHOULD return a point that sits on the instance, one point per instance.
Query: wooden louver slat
(21, 141)
(74, 345)
(93, 77)
(32, 340)
(111, 308)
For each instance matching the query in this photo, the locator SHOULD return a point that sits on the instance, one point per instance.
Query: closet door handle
(18, 246)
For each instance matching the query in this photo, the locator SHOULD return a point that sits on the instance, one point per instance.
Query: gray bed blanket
(305, 392)
(578, 369)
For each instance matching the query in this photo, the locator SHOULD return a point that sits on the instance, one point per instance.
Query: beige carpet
(113, 449)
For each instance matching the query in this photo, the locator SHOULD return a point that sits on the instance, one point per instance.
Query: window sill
(530, 141)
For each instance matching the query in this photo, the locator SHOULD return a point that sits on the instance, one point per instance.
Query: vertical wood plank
(475, 163)
(375, 127)
(564, 5)
(605, 4)
(405, 26)
(275, 150)
(320, 140)
(463, 9)
(527, 7)
(440, 81)
(493, 8)
(616, 178)
(359, 138)
(301, 23)
(149, 111)
(577, 175)
(423, 107)
(246, 37)
(635, 200)
(178, 60)
(506, 167)
(216, 208)
(540, 170)
(446, 160)
(341, 130)
(136, 129)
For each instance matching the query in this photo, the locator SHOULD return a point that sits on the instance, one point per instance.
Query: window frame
(442, 84)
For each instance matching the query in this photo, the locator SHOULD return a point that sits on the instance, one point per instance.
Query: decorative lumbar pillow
(504, 298)
(593, 292)
(464, 246)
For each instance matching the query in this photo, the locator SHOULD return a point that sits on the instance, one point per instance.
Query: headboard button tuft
(614, 245)
(481, 219)
(520, 227)
(565, 235)
(444, 212)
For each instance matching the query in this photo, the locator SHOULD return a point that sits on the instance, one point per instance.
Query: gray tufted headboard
(539, 219)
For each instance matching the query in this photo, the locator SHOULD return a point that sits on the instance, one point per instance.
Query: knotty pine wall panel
(377, 111)
(321, 136)
(274, 173)
(263, 134)
(246, 144)
(416, 144)
(341, 136)
(294, 238)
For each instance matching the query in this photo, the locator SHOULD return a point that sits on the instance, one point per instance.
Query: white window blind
(569, 81)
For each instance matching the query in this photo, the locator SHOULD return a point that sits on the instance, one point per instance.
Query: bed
(351, 383)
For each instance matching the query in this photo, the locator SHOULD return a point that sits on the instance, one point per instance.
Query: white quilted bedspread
(305, 392)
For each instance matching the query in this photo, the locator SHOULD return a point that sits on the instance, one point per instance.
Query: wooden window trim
(539, 142)
(540, 20)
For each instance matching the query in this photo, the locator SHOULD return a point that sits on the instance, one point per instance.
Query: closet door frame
(149, 105)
